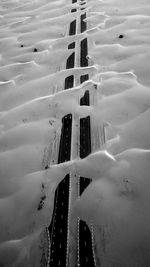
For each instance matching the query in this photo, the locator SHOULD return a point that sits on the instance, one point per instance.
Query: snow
(33, 54)
(31, 197)
(118, 205)
(131, 135)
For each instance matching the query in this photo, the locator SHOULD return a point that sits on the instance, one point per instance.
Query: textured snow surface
(33, 53)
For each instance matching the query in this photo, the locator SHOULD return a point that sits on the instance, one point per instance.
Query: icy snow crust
(33, 54)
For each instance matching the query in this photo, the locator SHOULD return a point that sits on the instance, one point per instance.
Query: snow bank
(29, 196)
(117, 203)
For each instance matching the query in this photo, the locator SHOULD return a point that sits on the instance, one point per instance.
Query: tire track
(59, 225)
(58, 228)
(85, 239)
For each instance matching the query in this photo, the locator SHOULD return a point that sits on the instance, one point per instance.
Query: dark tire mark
(59, 224)
(58, 227)
(85, 240)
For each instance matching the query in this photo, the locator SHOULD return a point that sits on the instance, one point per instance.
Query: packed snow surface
(33, 53)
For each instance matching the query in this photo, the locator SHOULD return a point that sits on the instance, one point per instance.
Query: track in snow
(59, 224)
(85, 242)
(58, 228)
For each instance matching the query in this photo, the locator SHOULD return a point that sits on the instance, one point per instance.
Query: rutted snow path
(33, 54)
